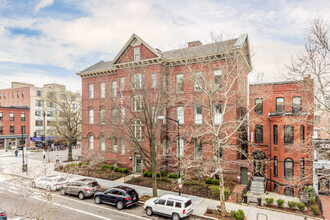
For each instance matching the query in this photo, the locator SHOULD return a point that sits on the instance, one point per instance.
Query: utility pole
(24, 166)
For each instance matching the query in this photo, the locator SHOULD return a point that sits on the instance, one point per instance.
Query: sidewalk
(37, 168)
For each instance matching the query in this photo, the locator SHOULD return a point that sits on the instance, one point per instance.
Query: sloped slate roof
(102, 65)
(197, 51)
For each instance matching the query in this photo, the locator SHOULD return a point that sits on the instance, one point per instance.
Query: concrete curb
(298, 214)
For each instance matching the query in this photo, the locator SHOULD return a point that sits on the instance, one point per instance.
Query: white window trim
(198, 117)
(90, 116)
(180, 114)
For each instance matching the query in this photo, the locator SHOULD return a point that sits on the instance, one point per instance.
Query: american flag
(121, 100)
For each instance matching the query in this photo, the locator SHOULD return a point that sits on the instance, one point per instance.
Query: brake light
(184, 211)
(128, 198)
(99, 186)
(87, 189)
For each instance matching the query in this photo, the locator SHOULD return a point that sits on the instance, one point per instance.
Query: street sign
(180, 185)
(46, 132)
(179, 180)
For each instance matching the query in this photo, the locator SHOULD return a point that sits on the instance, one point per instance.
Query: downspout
(270, 154)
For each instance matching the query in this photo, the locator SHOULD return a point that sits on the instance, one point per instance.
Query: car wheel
(81, 195)
(63, 192)
(176, 216)
(120, 205)
(97, 200)
(48, 188)
(149, 211)
(33, 184)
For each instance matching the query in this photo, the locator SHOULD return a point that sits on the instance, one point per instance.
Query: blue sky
(43, 41)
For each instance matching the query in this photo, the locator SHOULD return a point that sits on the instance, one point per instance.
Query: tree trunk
(222, 191)
(154, 177)
(70, 152)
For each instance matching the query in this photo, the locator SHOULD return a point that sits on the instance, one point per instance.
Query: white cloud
(42, 4)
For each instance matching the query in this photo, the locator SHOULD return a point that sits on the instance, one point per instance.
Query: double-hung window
(180, 114)
(288, 134)
(91, 116)
(217, 113)
(280, 105)
(179, 83)
(136, 54)
(180, 147)
(198, 151)
(198, 82)
(153, 80)
(102, 90)
(258, 106)
(258, 133)
(114, 88)
(122, 83)
(198, 115)
(12, 116)
(296, 104)
(218, 79)
(90, 91)
(137, 81)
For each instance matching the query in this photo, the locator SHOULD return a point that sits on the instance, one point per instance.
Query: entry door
(244, 178)
(138, 164)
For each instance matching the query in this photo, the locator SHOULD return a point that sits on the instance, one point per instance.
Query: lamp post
(179, 149)
(24, 166)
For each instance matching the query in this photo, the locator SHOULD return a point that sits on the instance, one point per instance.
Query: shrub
(301, 206)
(71, 165)
(80, 163)
(312, 200)
(239, 214)
(291, 204)
(173, 175)
(211, 181)
(162, 173)
(280, 203)
(145, 173)
(216, 191)
(85, 163)
(124, 170)
(227, 193)
(157, 175)
(107, 167)
(269, 201)
(116, 169)
(315, 210)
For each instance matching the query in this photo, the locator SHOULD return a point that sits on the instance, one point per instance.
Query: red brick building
(281, 129)
(192, 76)
(14, 123)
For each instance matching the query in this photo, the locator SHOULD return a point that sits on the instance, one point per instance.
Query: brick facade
(293, 142)
(11, 135)
(166, 66)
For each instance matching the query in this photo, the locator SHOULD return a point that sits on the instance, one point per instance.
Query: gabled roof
(128, 43)
(105, 67)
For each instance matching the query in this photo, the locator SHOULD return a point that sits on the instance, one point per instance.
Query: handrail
(261, 214)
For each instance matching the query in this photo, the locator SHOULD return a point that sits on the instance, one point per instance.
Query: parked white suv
(176, 207)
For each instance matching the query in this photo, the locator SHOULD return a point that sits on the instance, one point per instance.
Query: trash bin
(259, 201)
(245, 199)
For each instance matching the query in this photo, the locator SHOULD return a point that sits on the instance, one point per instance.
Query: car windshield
(93, 184)
(131, 192)
(188, 203)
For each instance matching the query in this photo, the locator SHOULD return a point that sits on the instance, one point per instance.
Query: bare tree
(314, 62)
(216, 76)
(69, 119)
(138, 109)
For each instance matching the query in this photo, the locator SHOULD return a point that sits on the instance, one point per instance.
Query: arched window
(102, 142)
(138, 129)
(302, 168)
(91, 142)
(275, 166)
(288, 168)
(114, 144)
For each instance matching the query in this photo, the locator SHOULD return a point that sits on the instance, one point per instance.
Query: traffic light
(34, 134)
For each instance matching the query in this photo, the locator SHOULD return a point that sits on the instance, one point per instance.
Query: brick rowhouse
(107, 83)
(281, 131)
(12, 121)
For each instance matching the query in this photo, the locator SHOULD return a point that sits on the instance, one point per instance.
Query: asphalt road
(51, 155)
(19, 199)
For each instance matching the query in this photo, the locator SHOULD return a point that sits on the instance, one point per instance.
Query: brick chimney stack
(194, 43)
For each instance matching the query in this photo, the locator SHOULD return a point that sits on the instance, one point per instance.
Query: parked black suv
(120, 196)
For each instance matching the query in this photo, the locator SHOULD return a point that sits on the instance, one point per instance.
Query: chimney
(194, 43)
(307, 77)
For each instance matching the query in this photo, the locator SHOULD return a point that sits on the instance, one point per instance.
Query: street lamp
(179, 149)
(24, 166)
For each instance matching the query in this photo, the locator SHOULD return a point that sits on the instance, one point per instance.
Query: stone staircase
(258, 185)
